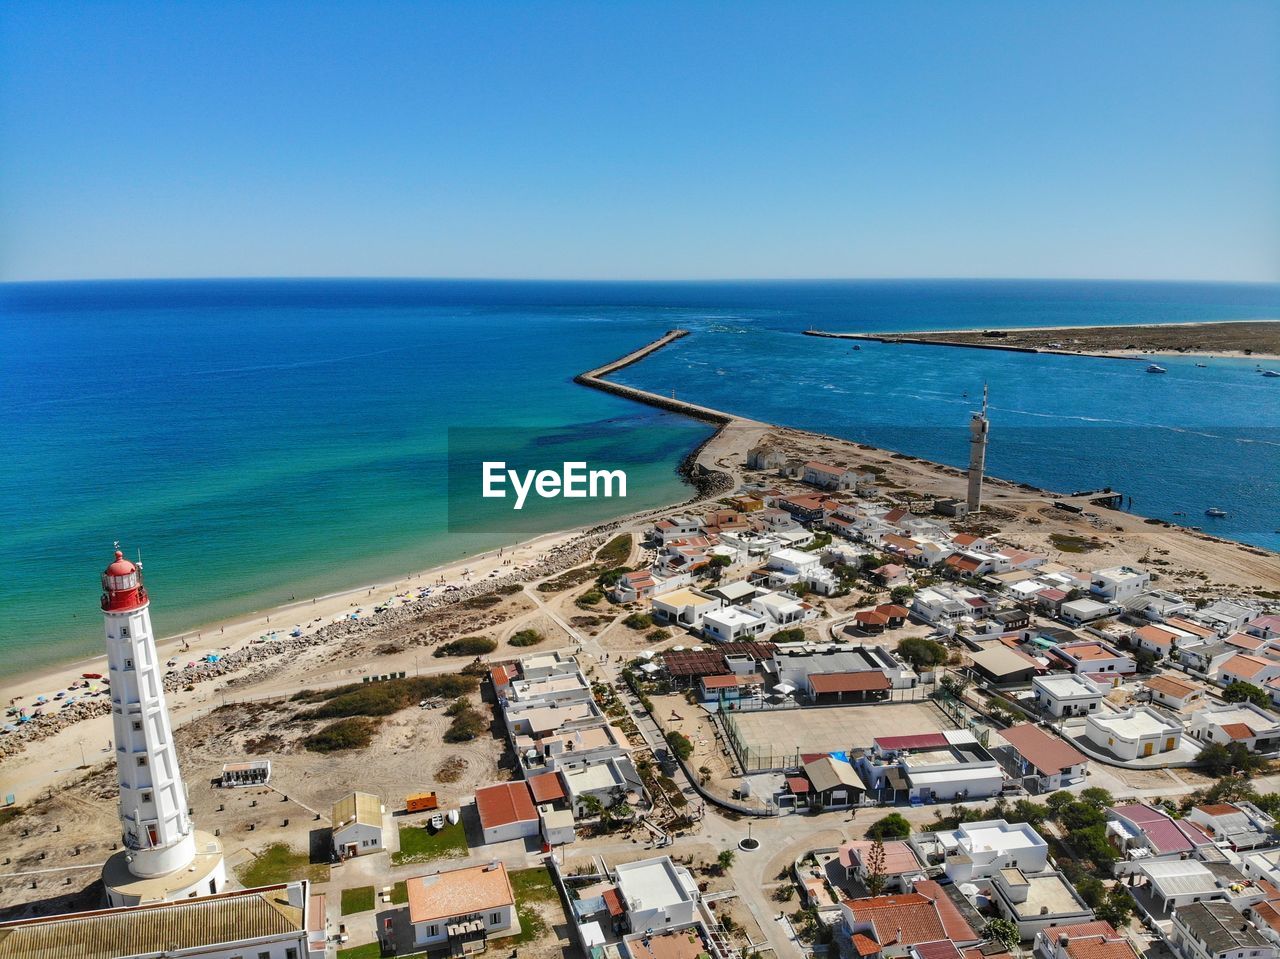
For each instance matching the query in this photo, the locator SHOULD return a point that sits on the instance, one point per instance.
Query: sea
(256, 441)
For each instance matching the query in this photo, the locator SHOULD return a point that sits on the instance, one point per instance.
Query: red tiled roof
(799, 785)
(504, 803)
(953, 921)
(546, 787)
(1047, 753)
(613, 901)
(1099, 947)
(868, 680)
(901, 920)
(723, 681)
(1095, 927)
(893, 611)
(1219, 809)
(871, 617)
(1155, 635)
(1238, 730)
(942, 949)
(1244, 665)
(865, 945)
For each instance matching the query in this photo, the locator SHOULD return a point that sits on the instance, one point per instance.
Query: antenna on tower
(115, 544)
(984, 400)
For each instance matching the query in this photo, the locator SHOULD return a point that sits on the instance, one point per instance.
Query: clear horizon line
(262, 277)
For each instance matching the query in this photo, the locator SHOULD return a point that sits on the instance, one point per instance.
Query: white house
(1081, 611)
(979, 850)
(684, 607)
(657, 894)
(506, 812)
(1095, 659)
(1134, 733)
(1117, 584)
(825, 476)
(357, 825)
(1243, 668)
(1245, 723)
(732, 624)
(1066, 694)
(1239, 826)
(462, 908)
(1172, 691)
(782, 609)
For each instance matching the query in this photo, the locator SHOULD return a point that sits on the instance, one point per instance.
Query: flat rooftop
(1141, 722)
(1048, 895)
(651, 884)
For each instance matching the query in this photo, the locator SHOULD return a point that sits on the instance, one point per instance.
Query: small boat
(1214, 511)
(437, 821)
(1154, 368)
(855, 347)
(1202, 365)
(452, 816)
(1271, 373)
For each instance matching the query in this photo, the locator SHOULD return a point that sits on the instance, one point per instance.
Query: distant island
(1237, 338)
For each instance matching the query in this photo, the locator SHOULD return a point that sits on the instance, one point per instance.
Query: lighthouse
(978, 428)
(164, 856)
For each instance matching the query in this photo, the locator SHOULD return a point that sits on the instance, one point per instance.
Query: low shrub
(526, 637)
(354, 733)
(467, 646)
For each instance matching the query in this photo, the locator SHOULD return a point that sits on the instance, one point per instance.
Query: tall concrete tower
(164, 857)
(978, 429)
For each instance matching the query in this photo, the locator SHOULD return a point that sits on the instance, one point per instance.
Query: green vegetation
(638, 621)
(419, 844)
(384, 697)
(794, 635)
(724, 861)
(359, 899)
(658, 635)
(400, 893)
(922, 654)
(1239, 692)
(1218, 759)
(354, 733)
(1003, 931)
(591, 597)
(1112, 905)
(370, 950)
(279, 863)
(900, 594)
(680, 744)
(532, 886)
(892, 826)
(1070, 543)
(468, 722)
(1082, 820)
(616, 551)
(467, 646)
(526, 637)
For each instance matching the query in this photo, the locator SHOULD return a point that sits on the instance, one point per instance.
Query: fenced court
(775, 739)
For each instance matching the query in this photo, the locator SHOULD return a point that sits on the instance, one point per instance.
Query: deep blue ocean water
(265, 439)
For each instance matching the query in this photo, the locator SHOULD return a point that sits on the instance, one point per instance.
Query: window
(146, 797)
(291, 953)
(142, 760)
(128, 664)
(264, 955)
(433, 930)
(137, 725)
(495, 918)
(124, 632)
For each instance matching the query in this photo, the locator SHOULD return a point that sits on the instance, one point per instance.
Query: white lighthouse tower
(979, 427)
(164, 857)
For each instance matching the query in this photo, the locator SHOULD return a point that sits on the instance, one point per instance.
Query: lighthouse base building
(204, 875)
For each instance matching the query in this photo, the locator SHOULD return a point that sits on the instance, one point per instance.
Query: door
(352, 850)
(1168, 744)
(1147, 749)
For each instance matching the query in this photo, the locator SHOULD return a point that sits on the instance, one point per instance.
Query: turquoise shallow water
(262, 439)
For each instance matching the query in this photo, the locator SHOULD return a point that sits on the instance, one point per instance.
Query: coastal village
(842, 703)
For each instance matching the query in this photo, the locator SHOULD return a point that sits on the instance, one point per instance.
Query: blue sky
(637, 140)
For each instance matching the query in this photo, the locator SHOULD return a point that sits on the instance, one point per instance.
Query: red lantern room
(122, 588)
